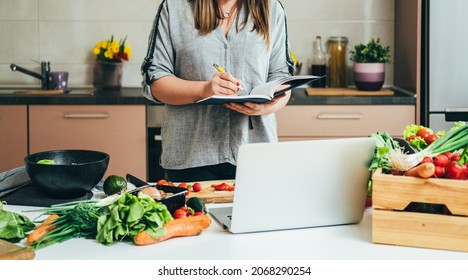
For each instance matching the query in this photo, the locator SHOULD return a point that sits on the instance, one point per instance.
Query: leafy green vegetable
(79, 221)
(384, 147)
(13, 226)
(129, 215)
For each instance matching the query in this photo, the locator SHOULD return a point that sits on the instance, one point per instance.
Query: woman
(248, 38)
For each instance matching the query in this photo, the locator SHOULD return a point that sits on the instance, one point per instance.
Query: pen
(221, 70)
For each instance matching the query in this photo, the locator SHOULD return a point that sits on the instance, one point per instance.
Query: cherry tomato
(423, 133)
(180, 213)
(196, 187)
(411, 137)
(441, 160)
(163, 182)
(185, 186)
(431, 138)
(197, 213)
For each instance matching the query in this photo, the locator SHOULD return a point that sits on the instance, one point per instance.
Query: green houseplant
(369, 64)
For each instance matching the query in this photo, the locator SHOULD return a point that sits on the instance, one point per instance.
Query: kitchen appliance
(154, 120)
(444, 79)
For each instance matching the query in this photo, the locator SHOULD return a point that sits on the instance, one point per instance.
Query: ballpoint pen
(221, 70)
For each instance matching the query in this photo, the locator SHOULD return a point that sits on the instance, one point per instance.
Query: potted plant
(369, 65)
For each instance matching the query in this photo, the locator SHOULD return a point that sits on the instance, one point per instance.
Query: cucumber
(197, 204)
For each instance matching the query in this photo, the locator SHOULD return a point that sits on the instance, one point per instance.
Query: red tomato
(180, 213)
(439, 171)
(411, 137)
(185, 186)
(441, 160)
(448, 154)
(163, 182)
(198, 213)
(455, 157)
(223, 187)
(431, 138)
(453, 170)
(196, 187)
(423, 133)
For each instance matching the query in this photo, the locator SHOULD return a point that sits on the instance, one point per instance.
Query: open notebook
(298, 184)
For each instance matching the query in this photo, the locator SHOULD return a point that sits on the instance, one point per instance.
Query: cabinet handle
(157, 138)
(86, 116)
(339, 116)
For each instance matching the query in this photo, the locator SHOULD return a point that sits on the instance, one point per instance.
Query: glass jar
(337, 63)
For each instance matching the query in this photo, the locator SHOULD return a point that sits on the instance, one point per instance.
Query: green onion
(453, 140)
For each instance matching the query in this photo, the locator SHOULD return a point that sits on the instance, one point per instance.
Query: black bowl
(73, 174)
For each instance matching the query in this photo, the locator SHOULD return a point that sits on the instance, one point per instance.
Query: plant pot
(107, 75)
(369, 76)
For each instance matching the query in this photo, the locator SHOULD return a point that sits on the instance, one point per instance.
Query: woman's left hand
(256, 109)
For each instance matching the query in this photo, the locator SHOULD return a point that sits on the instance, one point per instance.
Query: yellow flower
(111, 50)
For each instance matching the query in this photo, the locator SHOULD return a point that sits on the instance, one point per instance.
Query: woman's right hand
(223, 83)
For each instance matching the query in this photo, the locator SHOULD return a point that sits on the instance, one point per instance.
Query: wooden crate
(391, 225)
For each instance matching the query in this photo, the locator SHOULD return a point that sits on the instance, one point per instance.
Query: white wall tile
(19, 41)
(97, 10)
(18, 10)
(64, 32)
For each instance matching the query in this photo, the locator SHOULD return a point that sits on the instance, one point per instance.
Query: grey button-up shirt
(198, 135)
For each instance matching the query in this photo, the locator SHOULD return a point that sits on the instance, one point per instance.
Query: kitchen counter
(346, 242)
(89, 96)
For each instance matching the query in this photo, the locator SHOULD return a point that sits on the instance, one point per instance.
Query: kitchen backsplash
(64, 32)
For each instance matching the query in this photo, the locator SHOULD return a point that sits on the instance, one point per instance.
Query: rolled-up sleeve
(159, 60)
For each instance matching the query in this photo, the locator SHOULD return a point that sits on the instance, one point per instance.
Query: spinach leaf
(13, 226)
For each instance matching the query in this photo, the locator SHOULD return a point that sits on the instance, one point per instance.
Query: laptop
(298, 184)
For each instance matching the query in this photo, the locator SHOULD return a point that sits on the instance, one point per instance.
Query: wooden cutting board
(40, 91)
(10, 251)
(346, 92)
(210, 195)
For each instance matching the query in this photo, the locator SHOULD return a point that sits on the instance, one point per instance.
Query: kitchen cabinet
(14, 136)
(119, 130)
(334, 121)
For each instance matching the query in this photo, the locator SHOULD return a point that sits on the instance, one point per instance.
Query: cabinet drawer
(119, 130)
(297, 122)
(13, 136)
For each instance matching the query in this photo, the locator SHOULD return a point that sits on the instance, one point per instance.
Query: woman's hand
(256, 109)
(223, 83)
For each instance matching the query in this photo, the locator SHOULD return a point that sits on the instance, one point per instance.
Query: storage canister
(337, 63)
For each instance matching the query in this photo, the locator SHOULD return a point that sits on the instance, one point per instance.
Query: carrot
(423, 170)
(189, 226)
(202, 220)
(42, 230)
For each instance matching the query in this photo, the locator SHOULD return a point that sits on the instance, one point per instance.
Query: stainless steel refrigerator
(444, 87)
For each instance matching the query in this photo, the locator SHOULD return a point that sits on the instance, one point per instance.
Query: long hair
(207, 16)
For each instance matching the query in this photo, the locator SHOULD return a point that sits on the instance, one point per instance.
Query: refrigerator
(444, 63)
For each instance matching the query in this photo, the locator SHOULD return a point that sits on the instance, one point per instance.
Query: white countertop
(346, 242)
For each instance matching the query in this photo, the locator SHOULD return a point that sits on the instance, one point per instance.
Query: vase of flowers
(110, 55)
